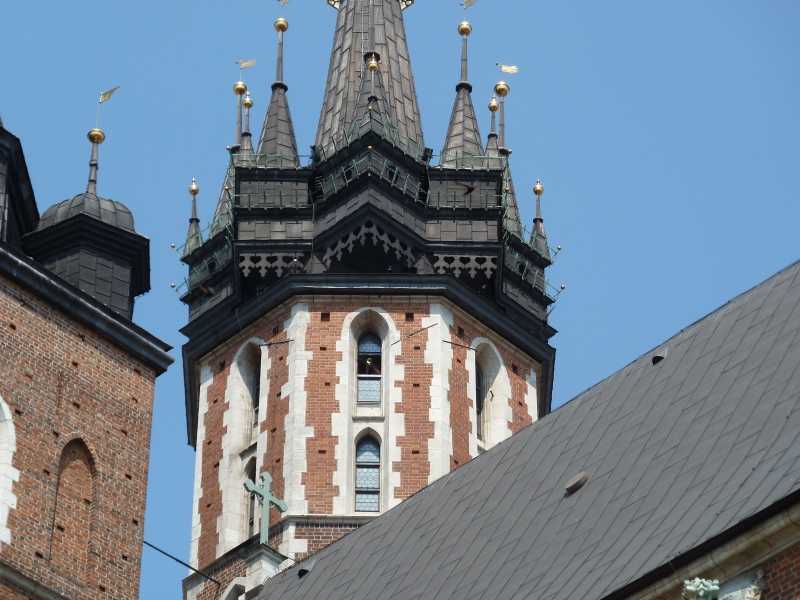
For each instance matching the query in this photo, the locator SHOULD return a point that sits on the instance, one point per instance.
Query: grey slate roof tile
(677, 454)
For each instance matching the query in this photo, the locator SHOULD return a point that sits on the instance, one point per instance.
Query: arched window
(250, 369)
(252, 502)
(481, 390)
(73, 511)
(368, 475)
(369, 369)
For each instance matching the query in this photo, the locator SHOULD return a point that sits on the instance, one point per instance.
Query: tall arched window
(250, 369)
(480, 403)
(368, 475)
(73, 511)
(252, 502)
(369, 369)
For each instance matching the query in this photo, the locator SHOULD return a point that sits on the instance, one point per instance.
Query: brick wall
(406, 424)
(81, 409)
(9, 593)
(782, 576)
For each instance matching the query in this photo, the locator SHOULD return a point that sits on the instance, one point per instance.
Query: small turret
(90, 242)
(194, 237)
(277, 145)
(538, 236)
(462, 145)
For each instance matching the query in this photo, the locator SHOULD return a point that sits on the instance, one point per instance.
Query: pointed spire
(194, 238)
(277, 144)
(239, 89)
(492, 149)
(343, 90)
(539, 236)
(462, 146)
(511, 221)
(502, 89)
(96, 136)
(247, 137)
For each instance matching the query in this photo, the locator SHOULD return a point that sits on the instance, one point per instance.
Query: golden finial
(494, 105)
(96, 135)
(240, 88)
(248, 100)
(538, 188)
(464, 28)
(373, 64)
(502, 89)
(281, 24)
(194, 188)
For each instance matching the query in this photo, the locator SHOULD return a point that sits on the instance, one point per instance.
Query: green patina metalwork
(263, 492)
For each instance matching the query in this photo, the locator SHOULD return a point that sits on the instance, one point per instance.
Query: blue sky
(666, 134)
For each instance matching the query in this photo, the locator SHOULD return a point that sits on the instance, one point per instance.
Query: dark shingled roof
(347, 64)
(677, 453)
(109, 211)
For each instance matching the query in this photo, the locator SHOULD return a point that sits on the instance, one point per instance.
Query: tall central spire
(354, 23)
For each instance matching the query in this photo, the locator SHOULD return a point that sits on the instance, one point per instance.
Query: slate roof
(677, 453)
(463, 134)
(103, 209)
(347, 63)
(277, 136)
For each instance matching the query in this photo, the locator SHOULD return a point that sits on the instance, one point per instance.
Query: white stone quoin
(206, 377)
(8, 474)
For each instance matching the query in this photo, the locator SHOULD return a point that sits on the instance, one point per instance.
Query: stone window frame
(8, 474)
(497, 413)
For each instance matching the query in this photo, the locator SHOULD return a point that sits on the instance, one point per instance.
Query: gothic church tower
(362, 321)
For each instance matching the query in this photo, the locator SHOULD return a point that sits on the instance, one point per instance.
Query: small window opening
(480, 402)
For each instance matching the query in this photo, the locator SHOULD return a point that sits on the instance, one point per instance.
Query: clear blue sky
(666, 134)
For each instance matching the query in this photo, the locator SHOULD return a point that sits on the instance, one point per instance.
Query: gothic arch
(73, 517)
(246, 396)
(486, 359)
(8, 474)
(352, 418)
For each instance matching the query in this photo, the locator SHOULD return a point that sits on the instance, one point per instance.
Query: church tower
(361, 321)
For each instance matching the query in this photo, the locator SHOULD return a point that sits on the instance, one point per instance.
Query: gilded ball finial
(502, 89)
(494, 105)
(240, 88)
(464, 28)
(194, 188)
(248, 100)
(373, 62)
(96, 135)
(281, 24)
(538, 188)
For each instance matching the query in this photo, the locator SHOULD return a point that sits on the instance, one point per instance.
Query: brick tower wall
(308, 421)
(73, 477)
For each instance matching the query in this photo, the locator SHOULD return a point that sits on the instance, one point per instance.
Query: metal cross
(265, 498)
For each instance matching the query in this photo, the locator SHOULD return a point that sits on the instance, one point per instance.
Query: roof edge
(55, 291)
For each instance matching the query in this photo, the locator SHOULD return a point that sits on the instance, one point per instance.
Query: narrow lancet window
(252, 508)
(368, 475)
(369, 369)
(480, 403)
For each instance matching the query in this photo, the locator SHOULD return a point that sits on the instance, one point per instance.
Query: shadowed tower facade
(362, 320)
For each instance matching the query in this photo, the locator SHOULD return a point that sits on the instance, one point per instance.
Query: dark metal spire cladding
(539, 236)
(247, 136)
(278, 144)
(343, 89)
(194, 238)
(96, 137)
(512, 222)
(492, 148)
(462, 146)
